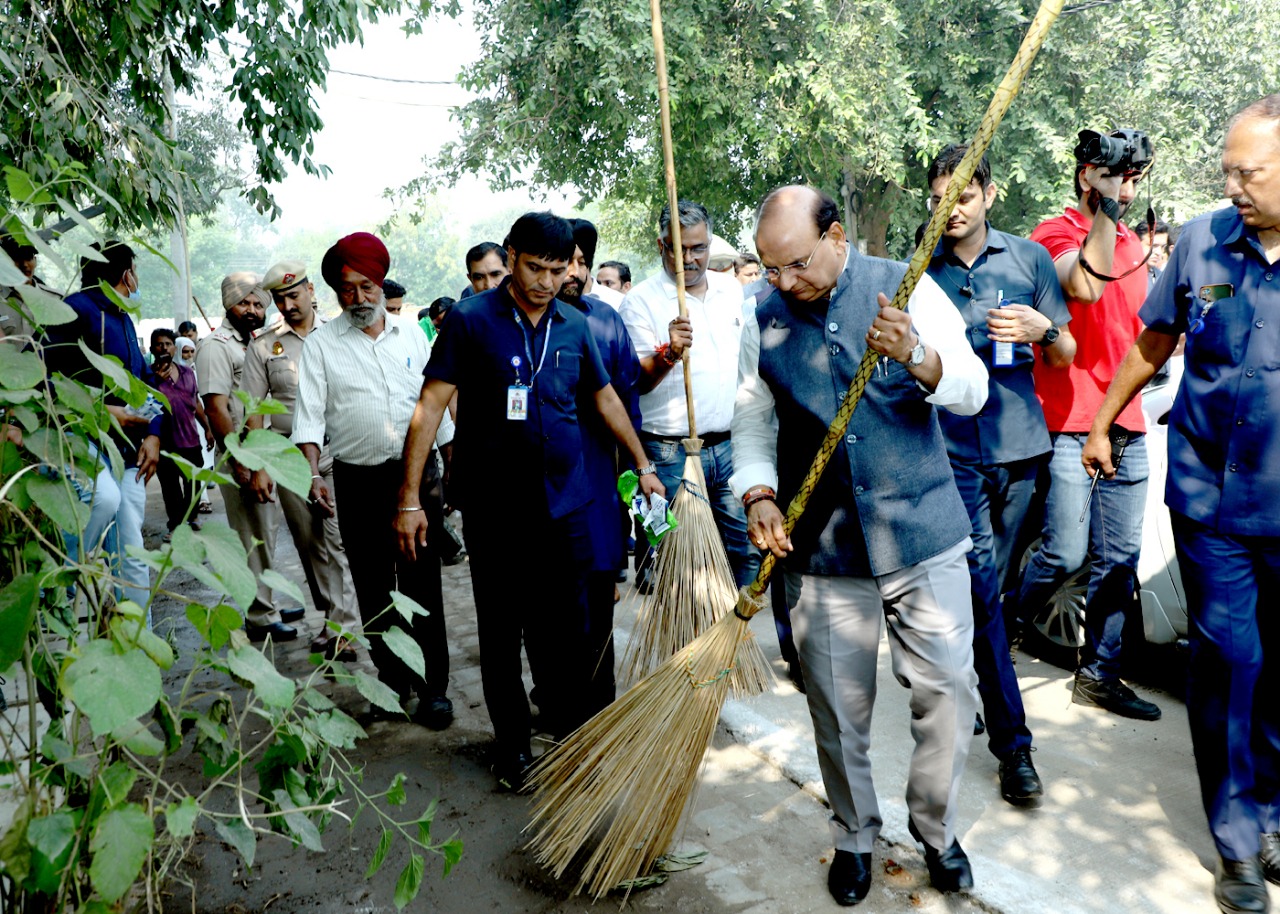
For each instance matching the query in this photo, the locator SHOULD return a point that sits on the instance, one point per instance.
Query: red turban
(359, 252)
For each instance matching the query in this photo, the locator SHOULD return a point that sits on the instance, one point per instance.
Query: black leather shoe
(510, 771)
(276, 631)
(1239, 887)
(293, 613)
(979, 725)
(796, 675)
(1269, 857)
(1019, 783)
(435, 713)
(1114, 696)
(849, 878)
(949, 870)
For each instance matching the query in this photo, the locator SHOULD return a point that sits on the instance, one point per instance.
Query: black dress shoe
(510, 771)
(949, 870)
(293, 613)
(1019, 783)
(1239, 887)
(979, 725)
(1269, 857)
(1114, 696)
(849, 878)
(276, 631)
(435, 713)
(796, 675)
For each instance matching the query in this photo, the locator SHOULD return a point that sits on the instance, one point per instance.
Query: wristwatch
(917, 354)
(646, 471)
(1050, 336)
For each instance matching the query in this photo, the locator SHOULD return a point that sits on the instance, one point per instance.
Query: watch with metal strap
(646, 470)
(1050, 336)
(917, 354)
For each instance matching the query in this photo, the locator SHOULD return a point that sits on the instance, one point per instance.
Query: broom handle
(673, 200)
(960, 179)
(201, 309)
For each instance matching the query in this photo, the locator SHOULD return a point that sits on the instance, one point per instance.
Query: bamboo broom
(693, 584)
(621, 781)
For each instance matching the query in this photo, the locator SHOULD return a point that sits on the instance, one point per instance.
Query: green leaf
(395, 793)
(239, 836)
(298, 824)
(425, 820)
(226, 555)
(120, 844)
(199, 473)
(180, 818)
(263, 449)
(377, 692)
(109, 366)
(134, 633)
(407, 606)
(170, 726)
(115, 782)
(452, 850)
(379, 855)
(112, 689)
(18, 600)
(22, 189)
(46, 309)
(52, 839)
(405, 648)
(337, 729)
(19, 370)
(15, 852)
(58, 500)
(317, 701)
(251, 665)
(409, 882)
(276, 581)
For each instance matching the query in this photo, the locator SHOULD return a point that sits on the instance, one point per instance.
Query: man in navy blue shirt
(521, 362)
(108, 330)
(1008, 293)
(607, 516)
(1222, 289)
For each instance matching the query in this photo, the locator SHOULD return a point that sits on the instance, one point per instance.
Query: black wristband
(1110, 208)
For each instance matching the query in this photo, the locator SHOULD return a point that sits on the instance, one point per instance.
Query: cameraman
(1099, 264)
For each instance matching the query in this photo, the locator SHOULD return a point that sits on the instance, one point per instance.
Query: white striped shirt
(361, 391)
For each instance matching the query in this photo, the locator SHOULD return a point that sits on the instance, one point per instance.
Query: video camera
(1127, 152)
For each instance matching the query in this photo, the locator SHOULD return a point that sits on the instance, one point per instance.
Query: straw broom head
(693, 587)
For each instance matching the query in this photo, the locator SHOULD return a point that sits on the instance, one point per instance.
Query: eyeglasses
(773, 274)
(690, 250)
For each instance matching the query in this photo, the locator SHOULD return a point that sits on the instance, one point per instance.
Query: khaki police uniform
(271, 369)
(219, 365)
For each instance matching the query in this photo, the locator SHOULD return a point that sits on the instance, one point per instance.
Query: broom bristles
(622, 780)
(693, 587)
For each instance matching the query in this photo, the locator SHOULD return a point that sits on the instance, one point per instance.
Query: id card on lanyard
(518, 393)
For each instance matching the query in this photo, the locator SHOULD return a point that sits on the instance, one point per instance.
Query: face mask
(135, 295)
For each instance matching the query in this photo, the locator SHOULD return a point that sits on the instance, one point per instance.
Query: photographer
(1099, 264)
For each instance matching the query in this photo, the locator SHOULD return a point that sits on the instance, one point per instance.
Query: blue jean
(731, 520)
(1109, 539)
(997, 497)
(1231, 585)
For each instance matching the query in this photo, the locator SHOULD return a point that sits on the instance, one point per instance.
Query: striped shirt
(360, 392)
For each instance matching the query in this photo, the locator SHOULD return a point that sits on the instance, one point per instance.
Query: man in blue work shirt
(521, 362)
(1008, 293)
(1222, 289)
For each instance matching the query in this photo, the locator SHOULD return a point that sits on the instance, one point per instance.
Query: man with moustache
(1221, 288)
(526, 371)
(486, 267)
(1007, 292)
(886, 532)
(358, 382)
(607, 516)
(615, 275)
(219, 368)
(271, 370)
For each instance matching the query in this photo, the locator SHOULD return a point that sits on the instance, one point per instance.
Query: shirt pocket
(561, 375)
(282, 376)
(1223, 335)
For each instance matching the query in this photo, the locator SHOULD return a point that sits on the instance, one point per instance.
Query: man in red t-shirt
(1099, 263)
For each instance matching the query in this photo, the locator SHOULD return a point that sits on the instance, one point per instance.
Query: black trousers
(529, 576)
(600, 589)
(367, 500)
(176, 488)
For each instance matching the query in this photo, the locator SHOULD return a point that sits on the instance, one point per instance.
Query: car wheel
(1055, 631)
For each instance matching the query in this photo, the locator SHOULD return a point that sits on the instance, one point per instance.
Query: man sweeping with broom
(885, 534)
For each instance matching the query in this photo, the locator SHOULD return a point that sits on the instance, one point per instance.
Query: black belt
(709, 439)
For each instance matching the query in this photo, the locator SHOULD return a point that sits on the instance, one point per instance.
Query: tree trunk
(876, 201)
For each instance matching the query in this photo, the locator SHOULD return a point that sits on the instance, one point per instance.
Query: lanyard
(546, 344)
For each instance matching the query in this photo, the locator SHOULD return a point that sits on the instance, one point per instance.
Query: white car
(1056, 630)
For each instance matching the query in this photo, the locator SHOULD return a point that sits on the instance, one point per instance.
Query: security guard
(271, 369)
(219, 363)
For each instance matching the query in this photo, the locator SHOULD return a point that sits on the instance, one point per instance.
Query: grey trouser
(836, 622)
(324, 560)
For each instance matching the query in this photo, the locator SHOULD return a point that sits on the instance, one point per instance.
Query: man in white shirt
(359, 378)
(662, 338)
(885, 533)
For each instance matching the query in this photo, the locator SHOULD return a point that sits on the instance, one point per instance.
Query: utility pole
(178, 236)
